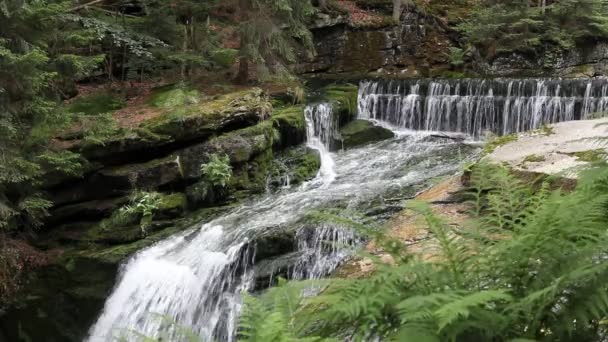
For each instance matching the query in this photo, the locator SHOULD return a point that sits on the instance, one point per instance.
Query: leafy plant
(456, 56)
(527, 266)
(217, 171)
(142, 207)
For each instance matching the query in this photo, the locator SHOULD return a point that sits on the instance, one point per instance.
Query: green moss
(307, 167)
(497, 142)
(343, 98)
(171, 202)
(534, 158)
(97, 103)
(290, 124)
(174, 96)
(293, 116)
(453, 74)
(591, 156)
(545, 130)
(204, 118)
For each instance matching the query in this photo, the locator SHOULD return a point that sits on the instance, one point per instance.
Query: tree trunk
(397, 10)
(184, 49)
(242, 76)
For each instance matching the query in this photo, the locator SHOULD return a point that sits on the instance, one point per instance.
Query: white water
(195, 278)
(474, 106)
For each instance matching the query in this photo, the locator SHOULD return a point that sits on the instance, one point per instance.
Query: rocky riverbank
(262, 137)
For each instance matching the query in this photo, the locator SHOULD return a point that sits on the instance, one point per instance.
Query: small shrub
(456, 56)
(142, 206)
(217, 171)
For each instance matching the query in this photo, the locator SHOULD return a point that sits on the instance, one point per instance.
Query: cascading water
(195, 278)
(474, 106)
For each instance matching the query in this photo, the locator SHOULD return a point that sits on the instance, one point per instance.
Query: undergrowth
(528, 266)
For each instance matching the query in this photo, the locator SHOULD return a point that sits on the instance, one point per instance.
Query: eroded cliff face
(419, 46)
(589, 60)
(261, 135)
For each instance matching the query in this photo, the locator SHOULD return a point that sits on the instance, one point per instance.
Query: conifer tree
(269, 31)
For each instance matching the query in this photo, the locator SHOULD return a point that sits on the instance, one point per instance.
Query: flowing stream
(194, 278)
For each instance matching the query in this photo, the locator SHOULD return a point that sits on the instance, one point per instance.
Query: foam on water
(195, 278)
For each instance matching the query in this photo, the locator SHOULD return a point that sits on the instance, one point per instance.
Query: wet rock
(361, 132)
(269, 270)
(278, 241)
(202, 194)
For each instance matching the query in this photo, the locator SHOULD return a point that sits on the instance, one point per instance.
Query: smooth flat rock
(557, 152)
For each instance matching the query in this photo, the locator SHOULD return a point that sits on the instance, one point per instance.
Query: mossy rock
(252, 176)
(343, 98)
(119, 148)
(240, 146)
(300, 164)
(361, 132)
(148, 175)
(201, 120)
(202, 195)
(171, 206)
(180, 121)
(290, 123)
(89, 210)
(118, 181)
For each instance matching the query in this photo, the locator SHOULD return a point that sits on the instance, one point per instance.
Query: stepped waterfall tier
(474, 106)
(194, 279)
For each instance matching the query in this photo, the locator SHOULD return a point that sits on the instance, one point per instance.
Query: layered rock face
(590, 61)
(418, 46)
(164, 155)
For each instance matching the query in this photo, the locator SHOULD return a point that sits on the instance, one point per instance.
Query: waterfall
(194, 279)
(474, 106)
(320, 128)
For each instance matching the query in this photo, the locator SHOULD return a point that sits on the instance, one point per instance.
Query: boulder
(241, 146)
(178, 125)
(297, 165)
(290, 124)
(222, 114)
(361, 132)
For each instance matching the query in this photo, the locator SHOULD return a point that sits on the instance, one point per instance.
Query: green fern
(529, 266)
